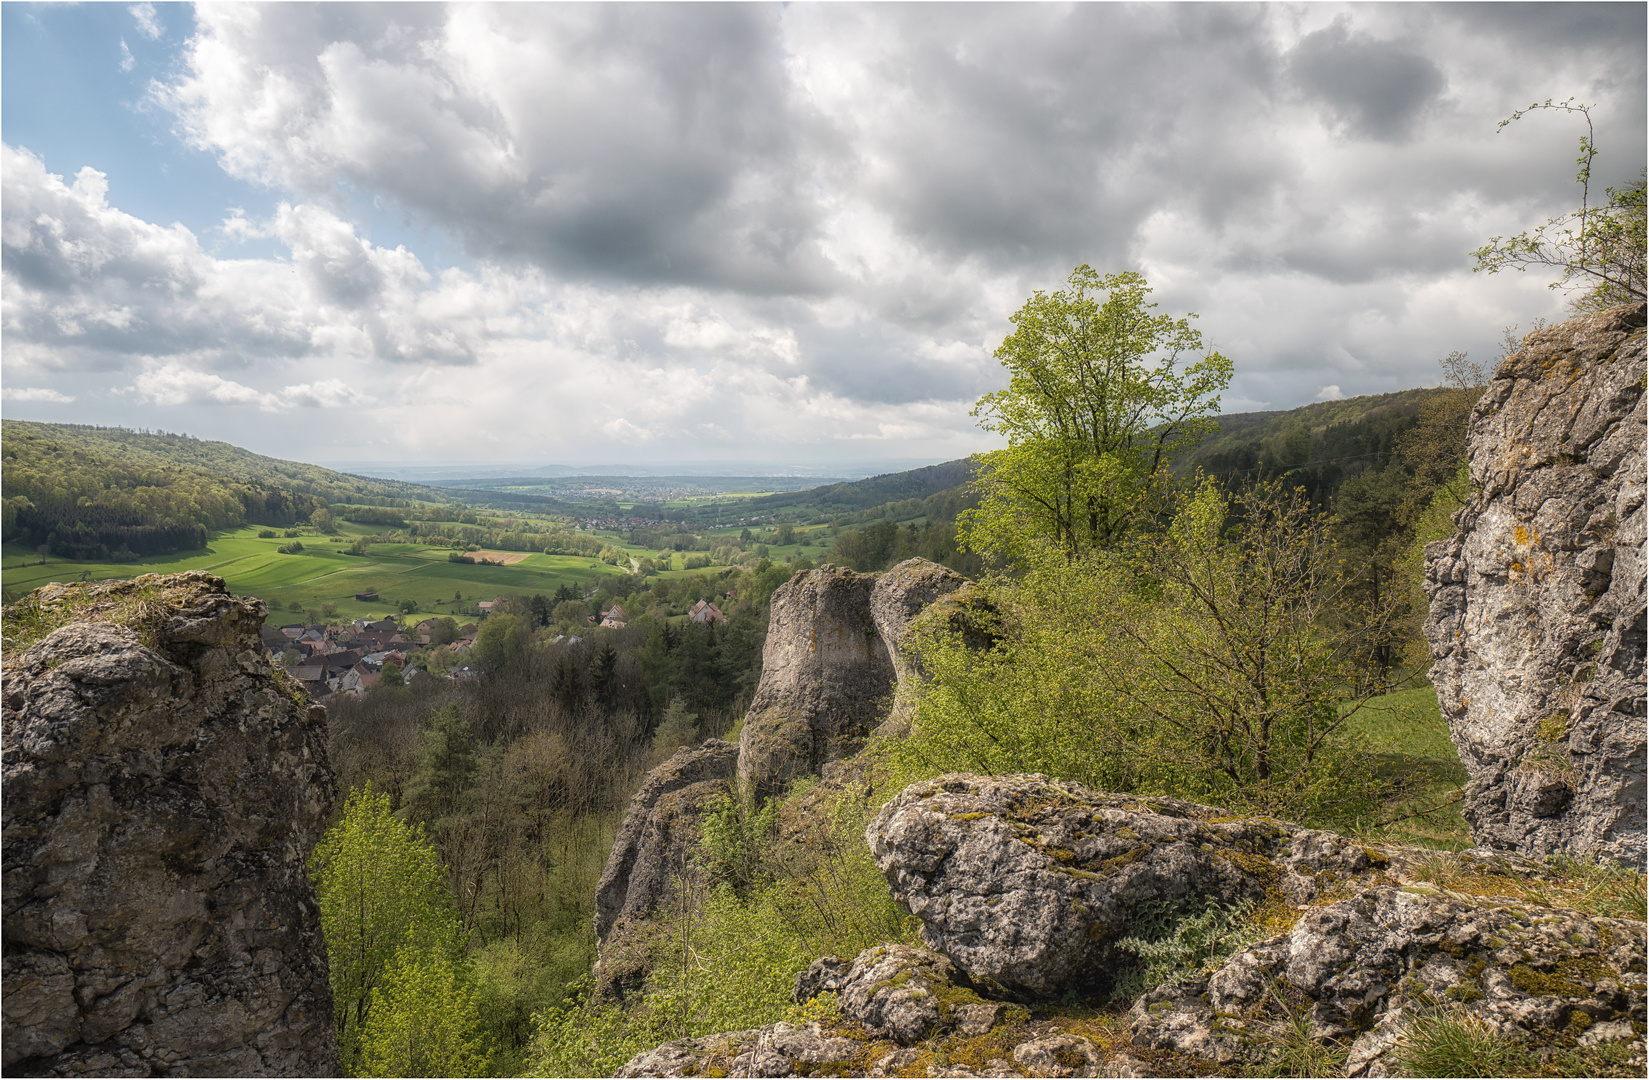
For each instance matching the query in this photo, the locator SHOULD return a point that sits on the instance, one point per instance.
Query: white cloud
(760, 227)
(173, 384)
(36, 393)
(127, 60)
(147, 21)
(1330, 393)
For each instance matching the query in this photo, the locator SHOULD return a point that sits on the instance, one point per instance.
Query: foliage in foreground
(392, 934)
(765, 909)
(1213, 661)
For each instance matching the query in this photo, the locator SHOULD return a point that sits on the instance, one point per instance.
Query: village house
(706, 612)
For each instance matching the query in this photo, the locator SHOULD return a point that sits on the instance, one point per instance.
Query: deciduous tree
(1101, 393)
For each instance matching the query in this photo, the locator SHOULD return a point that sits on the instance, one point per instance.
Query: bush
(290, 549)
(266, 534)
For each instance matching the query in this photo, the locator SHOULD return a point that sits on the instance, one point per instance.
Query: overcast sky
(663, 234)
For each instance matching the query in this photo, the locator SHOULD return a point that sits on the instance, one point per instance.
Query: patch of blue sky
(75, 81)
(74, 91)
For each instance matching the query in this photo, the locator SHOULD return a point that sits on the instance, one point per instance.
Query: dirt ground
(501, 558)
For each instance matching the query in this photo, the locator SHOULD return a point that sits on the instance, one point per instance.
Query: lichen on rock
(163, 789)
(1536, 620)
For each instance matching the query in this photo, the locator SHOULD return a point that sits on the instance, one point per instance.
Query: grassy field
(322, 573)
(1409, 740)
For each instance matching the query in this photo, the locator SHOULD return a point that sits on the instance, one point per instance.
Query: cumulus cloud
(1330, 393)
(759, 226)
(104, 288)
(36, 393)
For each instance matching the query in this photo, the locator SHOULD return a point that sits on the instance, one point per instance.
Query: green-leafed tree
(424, 1019)
(381, 888)
(1101, 394)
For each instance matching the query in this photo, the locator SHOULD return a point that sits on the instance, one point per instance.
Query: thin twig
(1419, 813)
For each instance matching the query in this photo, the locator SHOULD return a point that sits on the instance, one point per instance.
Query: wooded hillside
(110, 493)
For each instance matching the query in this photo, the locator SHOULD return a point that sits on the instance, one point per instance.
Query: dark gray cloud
(1378, 89)
(1610, 27)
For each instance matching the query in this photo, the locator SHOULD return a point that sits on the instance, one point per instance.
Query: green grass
(1408, 741)
(322, 573)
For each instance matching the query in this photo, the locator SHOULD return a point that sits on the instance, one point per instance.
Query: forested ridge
(114, 494)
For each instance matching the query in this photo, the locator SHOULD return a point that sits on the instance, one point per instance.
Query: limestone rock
(1058, 1054)
(900, 598)
(824, 976)
(1362, 969)
(1027, 881)
(774, 1050)
(163, 789)
(1536, 621)
(827, 679)
(902, 993)
(660, 831)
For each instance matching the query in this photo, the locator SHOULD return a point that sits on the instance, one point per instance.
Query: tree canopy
(1102, 393)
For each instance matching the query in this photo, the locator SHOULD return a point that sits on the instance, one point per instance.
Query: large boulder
(163, 789)
(901, 993)
(1365, 970)
(1028, 882)
(1536, 621)
(827, 679)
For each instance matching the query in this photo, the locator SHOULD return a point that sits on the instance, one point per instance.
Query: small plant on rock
(1177, 945)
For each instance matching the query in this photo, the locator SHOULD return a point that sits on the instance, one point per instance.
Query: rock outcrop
(1362, 969)
(1027, 881)
(1025, 885)
(1536, 622)
(827, 679)
(659, 830)
(831, 667)
(163, 788)
(833, 664)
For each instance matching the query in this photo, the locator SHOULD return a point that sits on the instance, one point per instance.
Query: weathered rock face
(827, 679)
(163, 789)
(833, 663)
(659, 831)
(1536, 622)
(774, 1050)
(1026, 881)
(1364, 968)
(918, 594)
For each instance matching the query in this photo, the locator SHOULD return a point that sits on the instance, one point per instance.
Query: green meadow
(322, 572)
(1407, 739)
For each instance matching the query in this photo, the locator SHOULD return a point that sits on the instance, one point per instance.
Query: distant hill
(110, 493)
(1316, 446)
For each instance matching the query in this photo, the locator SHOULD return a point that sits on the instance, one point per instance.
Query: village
(352, 659)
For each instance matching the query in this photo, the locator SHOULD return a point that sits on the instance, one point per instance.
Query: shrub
(266, 534)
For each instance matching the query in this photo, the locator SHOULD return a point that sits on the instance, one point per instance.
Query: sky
(751, 233)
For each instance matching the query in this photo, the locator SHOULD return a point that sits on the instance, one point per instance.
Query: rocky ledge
(1025, 887)
(163, 788)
